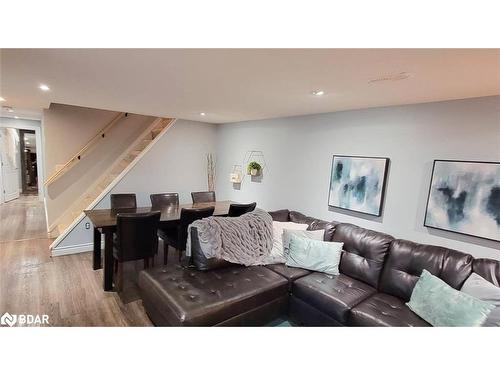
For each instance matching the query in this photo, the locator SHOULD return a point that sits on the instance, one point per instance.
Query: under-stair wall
(176, 162)
(66, 130)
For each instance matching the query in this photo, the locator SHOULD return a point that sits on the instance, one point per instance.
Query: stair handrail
(98, 136)
(108, 188)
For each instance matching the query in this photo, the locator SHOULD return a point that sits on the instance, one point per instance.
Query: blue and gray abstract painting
(465, 198)
(357, 183)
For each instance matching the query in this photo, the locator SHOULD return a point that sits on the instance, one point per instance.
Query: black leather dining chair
(177, 237)
(203, 196)
(164, 199)
(136, 238)
(123, 201)
(236, 209)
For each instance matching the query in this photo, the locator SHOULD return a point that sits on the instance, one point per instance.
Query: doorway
(9, 164)
(21, 171)
(29, 171)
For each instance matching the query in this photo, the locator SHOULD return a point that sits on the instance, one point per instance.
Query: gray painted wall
(176, 163)
(298, 152)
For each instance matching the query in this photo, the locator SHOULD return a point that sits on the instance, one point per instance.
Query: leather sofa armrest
(201, 262)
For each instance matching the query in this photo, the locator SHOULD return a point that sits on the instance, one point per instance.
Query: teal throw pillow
(443, 306)
(314, 255)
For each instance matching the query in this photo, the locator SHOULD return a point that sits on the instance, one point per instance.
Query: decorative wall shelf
(236, 175)
(257, 156)
(239, 172)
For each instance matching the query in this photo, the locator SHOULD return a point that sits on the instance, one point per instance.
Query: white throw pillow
(479, 287)
(277, 253)
(318, 235)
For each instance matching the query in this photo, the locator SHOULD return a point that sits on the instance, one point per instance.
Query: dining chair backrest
(164, 199)
(122, 201)
(203, 196)
(136, 235)
(236, 209)
(188, 216)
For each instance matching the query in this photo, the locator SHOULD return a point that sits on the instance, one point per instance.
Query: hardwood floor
(66, 287)
(22, 218)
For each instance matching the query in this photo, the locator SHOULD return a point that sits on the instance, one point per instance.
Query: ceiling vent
(7, 108)
(390, 77)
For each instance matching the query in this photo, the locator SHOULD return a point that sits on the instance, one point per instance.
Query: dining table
(104, 222)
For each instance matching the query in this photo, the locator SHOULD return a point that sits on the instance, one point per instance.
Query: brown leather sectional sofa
(377, 276)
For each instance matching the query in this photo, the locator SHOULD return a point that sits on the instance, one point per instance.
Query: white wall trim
(46, 214)
(74, 249)
(105, 192)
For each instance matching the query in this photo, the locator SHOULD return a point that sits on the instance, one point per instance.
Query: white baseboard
(74, 249)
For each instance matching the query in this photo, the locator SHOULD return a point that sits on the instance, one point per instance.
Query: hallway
(66, 288)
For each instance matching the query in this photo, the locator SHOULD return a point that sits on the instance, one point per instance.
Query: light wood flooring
(66, 287)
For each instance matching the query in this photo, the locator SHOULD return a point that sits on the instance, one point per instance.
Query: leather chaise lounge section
(178, 296)
(377, 276)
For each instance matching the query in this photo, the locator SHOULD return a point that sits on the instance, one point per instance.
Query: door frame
(2, 198)
(7, 197)
(36, 125)
(22, 146)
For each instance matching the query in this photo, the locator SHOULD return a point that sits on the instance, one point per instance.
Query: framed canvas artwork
(357, 183)
(464, 197)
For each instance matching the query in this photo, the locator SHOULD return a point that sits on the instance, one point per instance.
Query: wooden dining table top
(105, 218)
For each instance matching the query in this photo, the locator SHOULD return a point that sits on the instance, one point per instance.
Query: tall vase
(211, 172)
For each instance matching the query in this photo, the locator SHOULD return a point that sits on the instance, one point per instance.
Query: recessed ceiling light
(16, 116)
(27, 143)
(44, 87)
(203, 114)
(318, 93)
(2, 99)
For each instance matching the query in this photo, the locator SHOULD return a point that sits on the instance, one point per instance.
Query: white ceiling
(242, 84)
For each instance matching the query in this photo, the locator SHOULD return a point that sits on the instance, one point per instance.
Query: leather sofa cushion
(334, 296)
(364, 252)
(290, 273)
(487, 268)
(187, 297)
(298, 217)
(383, 310)
(405, 264)
(280, 215)
(314, 224)
(407, 260)
(457, 267)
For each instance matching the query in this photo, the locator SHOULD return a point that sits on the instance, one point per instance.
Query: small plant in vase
(254, 168)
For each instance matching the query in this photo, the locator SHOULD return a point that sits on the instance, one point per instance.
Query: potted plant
(254, 168)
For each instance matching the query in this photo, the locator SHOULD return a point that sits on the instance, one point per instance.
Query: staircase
(92, 196)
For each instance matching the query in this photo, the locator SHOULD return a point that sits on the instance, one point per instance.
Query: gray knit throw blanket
(247, 239)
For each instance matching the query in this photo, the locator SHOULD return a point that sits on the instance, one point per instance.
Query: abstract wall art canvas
(464, 197)
(358, 183)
